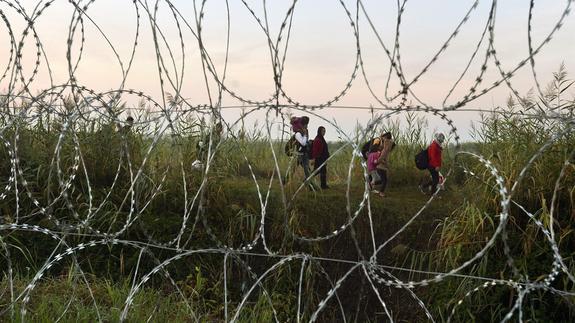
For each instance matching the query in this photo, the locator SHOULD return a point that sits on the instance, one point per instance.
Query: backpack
(365, 149)
(291, 146)
(309, 149)
(422, 159)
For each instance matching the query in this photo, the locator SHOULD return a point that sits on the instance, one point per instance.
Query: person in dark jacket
(434, 156)
(320, 154)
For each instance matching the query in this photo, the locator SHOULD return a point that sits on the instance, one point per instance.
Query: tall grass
(509, 138)
(231, 212)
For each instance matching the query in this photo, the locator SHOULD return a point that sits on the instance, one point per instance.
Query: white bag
(197, 164)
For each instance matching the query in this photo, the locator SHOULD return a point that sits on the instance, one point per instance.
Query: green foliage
(509, 139)
(447, 233)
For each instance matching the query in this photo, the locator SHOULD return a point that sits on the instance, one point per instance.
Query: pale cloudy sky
(321, 52)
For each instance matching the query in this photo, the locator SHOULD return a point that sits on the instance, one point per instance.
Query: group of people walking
(307, 150)
(375, 152)
(315, 151)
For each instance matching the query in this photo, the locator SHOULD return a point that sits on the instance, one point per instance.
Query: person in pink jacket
(372, 157)
(434, 158)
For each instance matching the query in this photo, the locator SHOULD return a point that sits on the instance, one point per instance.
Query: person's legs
(434, 179)
(425, 183)
(375, 180)
(322, 165)
(323, 176)
(304, 162)
(383, 179)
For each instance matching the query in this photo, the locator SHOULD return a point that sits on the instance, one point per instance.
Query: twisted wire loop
(102, 182)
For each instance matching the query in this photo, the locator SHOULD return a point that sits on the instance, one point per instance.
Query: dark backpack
(365, 149)
(309, 149)
(422, 159)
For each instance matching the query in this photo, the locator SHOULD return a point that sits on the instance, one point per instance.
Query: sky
(320, 57)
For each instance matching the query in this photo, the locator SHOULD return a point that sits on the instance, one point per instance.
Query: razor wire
(26, 102)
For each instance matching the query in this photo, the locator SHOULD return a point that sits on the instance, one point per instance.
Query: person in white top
(302, 139)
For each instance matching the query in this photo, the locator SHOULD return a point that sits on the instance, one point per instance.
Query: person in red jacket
(320, 154)
(434, 158)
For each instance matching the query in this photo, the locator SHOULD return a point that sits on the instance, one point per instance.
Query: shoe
(325, 187)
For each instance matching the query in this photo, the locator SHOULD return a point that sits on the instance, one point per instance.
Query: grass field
(192, 230)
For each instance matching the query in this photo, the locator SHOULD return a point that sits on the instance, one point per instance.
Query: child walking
(375, 180)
